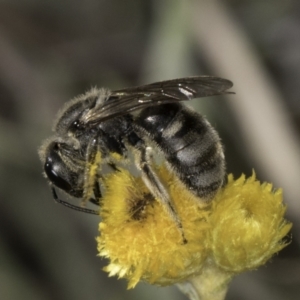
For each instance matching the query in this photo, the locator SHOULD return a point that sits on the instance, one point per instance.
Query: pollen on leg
(91, 176)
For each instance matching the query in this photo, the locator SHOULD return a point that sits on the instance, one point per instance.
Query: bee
(102, 127)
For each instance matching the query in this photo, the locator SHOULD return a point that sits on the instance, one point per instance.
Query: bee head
(58, 158)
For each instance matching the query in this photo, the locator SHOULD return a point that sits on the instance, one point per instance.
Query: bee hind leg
(156, 187)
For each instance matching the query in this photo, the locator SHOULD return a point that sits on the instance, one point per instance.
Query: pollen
(90, 175)
(239, 230)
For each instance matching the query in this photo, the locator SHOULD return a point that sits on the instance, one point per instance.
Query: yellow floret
(142, 241)
(247, 224)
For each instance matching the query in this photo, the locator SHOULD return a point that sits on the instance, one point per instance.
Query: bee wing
(127, 100)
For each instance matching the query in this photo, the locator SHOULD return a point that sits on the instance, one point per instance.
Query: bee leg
(156, 187)
(91, 176)
(69, 205)
(97, 193)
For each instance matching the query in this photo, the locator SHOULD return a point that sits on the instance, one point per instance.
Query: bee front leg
(69, 205)
(97, 193)
(155, 186)
(91, 186)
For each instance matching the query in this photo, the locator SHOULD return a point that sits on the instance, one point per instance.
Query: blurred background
(51, 51)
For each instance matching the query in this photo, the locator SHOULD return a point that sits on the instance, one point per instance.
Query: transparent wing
(183, 89)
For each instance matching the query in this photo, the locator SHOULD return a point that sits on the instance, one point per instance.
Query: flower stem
(211, 284)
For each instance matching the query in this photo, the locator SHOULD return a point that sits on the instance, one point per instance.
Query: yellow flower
(141, 240)
(247, 224)
(241, 229)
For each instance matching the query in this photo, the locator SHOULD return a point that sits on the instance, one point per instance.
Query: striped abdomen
(190, 145)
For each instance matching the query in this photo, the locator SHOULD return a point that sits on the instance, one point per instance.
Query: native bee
(101, 127)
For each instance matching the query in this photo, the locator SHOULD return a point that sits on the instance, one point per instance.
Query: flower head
(240, 230)
(142, 241)
(247, 224)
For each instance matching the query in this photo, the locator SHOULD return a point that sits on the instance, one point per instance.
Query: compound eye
(53, 169)
(60, 175)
